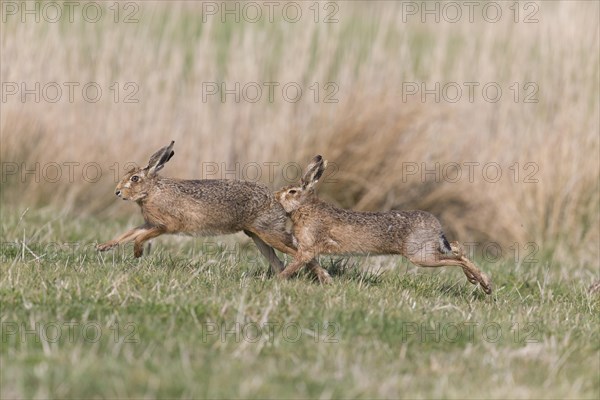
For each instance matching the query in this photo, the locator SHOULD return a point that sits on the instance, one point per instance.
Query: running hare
(204, 208)
(320, 227)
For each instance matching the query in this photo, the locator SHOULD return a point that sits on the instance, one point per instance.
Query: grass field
(182, 322)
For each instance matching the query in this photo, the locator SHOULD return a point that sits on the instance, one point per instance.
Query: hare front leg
(283, 242)
(144, 236)
(138, 235)
(300, 259)
(124, 238)
(322, 274)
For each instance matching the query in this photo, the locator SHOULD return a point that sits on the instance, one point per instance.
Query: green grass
(180, 322)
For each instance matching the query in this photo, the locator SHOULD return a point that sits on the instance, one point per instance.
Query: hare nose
(118, 193)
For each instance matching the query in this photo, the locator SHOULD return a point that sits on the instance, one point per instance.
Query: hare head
(136, 184)
(293, 196)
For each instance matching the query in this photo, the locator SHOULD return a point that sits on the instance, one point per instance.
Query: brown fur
(321, 228)
(205, 208)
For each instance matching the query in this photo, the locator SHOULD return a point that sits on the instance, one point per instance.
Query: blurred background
(490, 121)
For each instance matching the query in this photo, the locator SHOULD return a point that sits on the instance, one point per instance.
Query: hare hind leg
(458, 252)
(473, 273)
(456, 258)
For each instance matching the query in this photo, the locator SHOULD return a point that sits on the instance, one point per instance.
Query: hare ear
(313, 173)
(158, 159)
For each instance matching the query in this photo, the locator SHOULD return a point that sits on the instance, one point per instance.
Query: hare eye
(292, 191)
(135, 178)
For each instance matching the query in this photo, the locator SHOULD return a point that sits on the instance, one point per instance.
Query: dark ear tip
(317, 158)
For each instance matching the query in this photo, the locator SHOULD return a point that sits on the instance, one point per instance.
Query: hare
(321, 228)
(205, 208)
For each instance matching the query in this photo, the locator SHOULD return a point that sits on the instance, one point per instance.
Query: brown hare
(321, 228)
(205, 208)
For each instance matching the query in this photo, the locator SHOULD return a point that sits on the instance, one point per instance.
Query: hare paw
(106, 246)
(486, 283)
(325, 278)
(283, 275)
(470, 277)
(138, 250)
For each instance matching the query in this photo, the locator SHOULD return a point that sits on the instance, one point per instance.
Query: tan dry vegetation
(368, 134)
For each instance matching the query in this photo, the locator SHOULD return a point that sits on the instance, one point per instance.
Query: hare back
(337, 231)
(208, 207)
